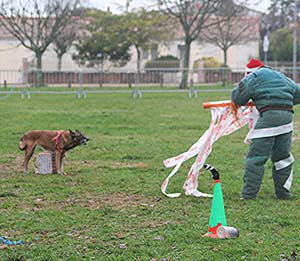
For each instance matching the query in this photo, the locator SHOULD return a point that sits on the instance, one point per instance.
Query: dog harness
(57, 140)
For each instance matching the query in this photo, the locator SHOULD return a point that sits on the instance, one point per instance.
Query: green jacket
(266, 87)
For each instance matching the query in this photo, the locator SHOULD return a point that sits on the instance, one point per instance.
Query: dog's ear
(79, 132)
(71, 132)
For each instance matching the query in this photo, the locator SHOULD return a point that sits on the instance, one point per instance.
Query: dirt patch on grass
(117, 201)
(123, 200)
(129, 165)
(114, 200)
(13, 164)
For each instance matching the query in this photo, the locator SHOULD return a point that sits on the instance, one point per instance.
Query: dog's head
(78, 138)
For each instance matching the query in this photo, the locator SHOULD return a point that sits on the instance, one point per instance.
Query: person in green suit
(274, 95)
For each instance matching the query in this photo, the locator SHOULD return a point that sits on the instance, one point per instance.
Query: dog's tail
(22, 145)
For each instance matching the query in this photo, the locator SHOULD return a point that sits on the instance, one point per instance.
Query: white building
(15, 57)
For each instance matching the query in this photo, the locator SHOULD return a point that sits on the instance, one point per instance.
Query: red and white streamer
(223, 122)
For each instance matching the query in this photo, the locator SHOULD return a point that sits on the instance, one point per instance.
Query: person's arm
(241, 94)
(292, 84)
(297, 95)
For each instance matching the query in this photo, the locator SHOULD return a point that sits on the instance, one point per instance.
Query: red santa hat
(253, 65)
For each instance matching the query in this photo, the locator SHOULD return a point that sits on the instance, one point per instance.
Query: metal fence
(82, 93)
(149, 77)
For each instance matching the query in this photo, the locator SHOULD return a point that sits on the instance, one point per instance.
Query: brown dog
(55, 141)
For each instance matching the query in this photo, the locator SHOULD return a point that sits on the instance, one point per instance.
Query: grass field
(110, 207)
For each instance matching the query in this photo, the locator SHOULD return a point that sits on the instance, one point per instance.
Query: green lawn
(110, 207)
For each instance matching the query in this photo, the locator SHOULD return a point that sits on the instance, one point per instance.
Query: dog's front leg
(62, 166)
(25, 166)
(58, 162)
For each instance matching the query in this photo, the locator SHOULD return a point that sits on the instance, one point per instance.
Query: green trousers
(276, 148)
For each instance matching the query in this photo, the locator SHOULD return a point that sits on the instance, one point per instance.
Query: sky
(119, 5)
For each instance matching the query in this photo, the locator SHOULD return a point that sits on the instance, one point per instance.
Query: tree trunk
(138, 65)
(138, 68)
(225, 70)
(39, 75)
(185, 69)
(38, 56)
(59, 61)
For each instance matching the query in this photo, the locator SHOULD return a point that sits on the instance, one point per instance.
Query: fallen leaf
(123, 246)
(2, 246)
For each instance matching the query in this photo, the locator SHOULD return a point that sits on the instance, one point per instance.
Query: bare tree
(146, 29)
(193, 16)
(64, 41)
(36, 23)
(234, 25)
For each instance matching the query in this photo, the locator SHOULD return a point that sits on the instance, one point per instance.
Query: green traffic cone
(217, 214)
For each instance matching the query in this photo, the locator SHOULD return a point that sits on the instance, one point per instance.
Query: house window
(145, 54)
(181, 49)
(154, 53)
